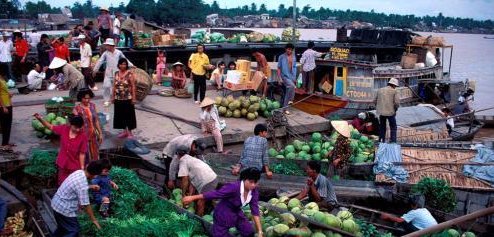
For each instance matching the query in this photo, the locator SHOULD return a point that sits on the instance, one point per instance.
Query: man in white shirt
(6, 49)
(86, 54)
(110, 57)
(34, 38)
(195, 175)
(116, 27)
(36, 76)
(308, 61)
(416, 219)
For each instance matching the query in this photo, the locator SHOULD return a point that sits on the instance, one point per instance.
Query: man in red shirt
(73, 146)
(21, 50)
(61, 49)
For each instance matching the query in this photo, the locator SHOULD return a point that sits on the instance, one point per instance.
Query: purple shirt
(228, 211)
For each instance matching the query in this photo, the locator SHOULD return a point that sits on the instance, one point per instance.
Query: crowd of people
(78, 159)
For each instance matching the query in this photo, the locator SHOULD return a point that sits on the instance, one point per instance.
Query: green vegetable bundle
(42, 163)
(138, 211)
(438, 194)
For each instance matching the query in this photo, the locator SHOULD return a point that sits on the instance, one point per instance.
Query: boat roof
(419, 113)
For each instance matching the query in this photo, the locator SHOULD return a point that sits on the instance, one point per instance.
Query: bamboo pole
(456, 221)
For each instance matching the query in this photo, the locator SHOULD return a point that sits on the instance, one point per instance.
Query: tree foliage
(195, 11)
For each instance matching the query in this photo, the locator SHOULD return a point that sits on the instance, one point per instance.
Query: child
(160, 66)
(450, 122)
(101, 187)
(218, 75)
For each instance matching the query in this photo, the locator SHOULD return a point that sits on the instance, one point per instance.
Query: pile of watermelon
(275, 224)
(267, 106)
(362, 147)
(242, 107)
(52, 118)
(318, 149)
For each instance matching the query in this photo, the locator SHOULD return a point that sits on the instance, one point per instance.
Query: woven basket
(144, 83)
(166, 92)
(182, 93)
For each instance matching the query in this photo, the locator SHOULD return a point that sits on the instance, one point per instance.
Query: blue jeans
(392, 127)
(289, 91)
(66, 226)
(128, 38)
(3, 213)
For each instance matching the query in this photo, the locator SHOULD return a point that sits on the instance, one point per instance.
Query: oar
(427, 122)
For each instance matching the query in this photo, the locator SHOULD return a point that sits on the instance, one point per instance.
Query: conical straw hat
(206, 102)
(341, 127)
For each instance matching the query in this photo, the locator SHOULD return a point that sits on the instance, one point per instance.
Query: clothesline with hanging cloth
(386, 155)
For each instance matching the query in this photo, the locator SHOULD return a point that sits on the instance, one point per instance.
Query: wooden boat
(355, 74)
(17, 202)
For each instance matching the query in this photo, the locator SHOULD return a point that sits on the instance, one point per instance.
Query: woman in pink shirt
(73, 145)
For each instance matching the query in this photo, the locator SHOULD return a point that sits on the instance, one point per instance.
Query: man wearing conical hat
(387, 103)
(210, 122)
(74, 79)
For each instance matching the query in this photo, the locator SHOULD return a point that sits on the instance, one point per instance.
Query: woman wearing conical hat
(210, 122)
(342, 151)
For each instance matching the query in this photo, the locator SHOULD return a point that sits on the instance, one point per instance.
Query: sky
(476, 9)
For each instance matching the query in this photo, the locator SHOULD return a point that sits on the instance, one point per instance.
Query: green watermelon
(291, 155)
(272, 152)
(316, 156)
(276, 105)
(316, 137)
(316, 149)
(290, 149)
(306, 148)
(280, 156)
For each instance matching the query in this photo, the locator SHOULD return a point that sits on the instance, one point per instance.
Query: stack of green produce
(362, 147)
(287, 34)
(238, 108)
(270, 38)
(217, 38)
(138, 211)
(237, 38)
(453, 233)
(142, 40)
(199, 36)
(437, 192)
(52, 118)
(318, 149)
(267, 106)
(255, 37)
(42, 163)
(276, 224)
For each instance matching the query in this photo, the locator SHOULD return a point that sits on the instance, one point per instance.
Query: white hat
(461, 99)
(361, 115)
(81, 36)
(104, 9)
(394, 81)
(17, 31)
(109, 41)
(56, 63)
(177, 63)
(341, 127)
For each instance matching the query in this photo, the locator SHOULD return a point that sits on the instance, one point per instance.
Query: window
(339, 71)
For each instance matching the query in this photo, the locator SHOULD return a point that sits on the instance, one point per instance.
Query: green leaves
(138, 211)
(438, 194)
(42, 163)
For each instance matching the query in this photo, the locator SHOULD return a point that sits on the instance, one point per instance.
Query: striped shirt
(325, 189)
(255, 153)
(308, 59)
(71, 194)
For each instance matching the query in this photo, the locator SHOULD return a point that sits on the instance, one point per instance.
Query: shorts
(209, 186)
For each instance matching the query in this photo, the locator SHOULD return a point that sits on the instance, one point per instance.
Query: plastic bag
(222, 125)
(52, 86)
(300, 81)
(190, 88)
(11, 83)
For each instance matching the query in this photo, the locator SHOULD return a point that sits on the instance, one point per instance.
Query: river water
(473, 58)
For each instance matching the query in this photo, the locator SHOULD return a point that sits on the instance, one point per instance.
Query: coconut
(244, 112)
(280, 229)
(288, 218)
(218, 100)
(312, 205)
(332, 220)
(251, 116)
(237, 113)
(230, 99)
(222, 110)
(224, 102)
(229, 114)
